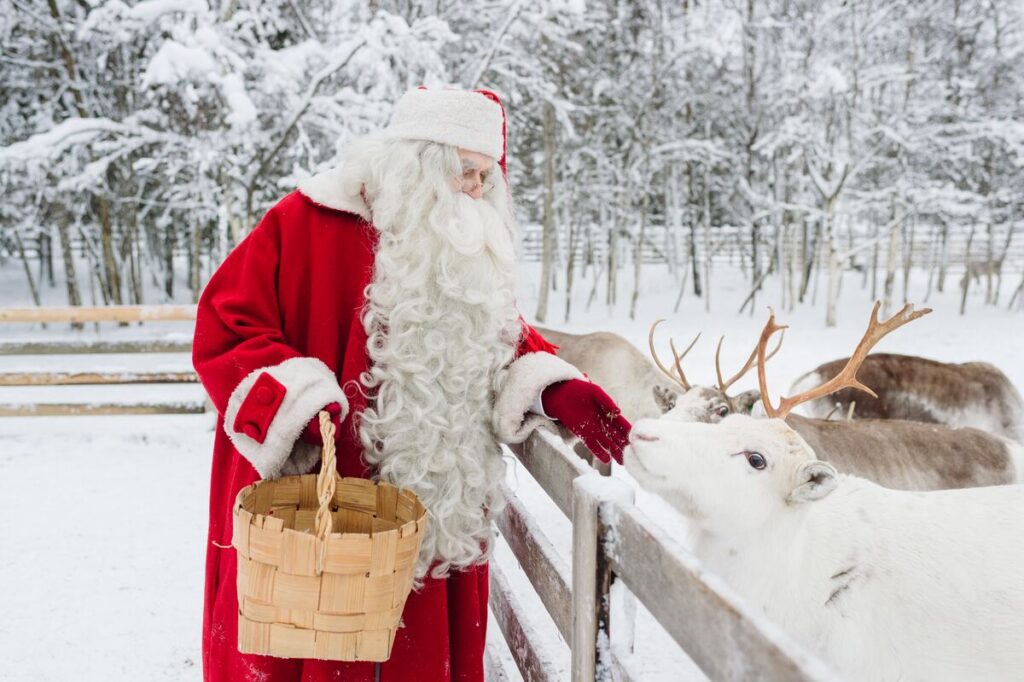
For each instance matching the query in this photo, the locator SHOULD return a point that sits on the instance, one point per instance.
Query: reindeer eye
(756, 460)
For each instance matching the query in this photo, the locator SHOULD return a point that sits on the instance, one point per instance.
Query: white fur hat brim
(461, 118)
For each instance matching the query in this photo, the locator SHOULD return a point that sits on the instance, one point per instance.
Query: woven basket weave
(325, 563)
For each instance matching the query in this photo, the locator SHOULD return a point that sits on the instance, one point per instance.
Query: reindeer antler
(847, 378)
(680, 376)
(724, 385)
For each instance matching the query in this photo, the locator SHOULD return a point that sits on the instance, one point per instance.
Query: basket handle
(325, 483)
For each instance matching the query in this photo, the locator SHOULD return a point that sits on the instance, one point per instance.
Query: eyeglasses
(468, 183)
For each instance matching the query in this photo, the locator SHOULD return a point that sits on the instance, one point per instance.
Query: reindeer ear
(814, 480)
(665, 398)
(745, 401)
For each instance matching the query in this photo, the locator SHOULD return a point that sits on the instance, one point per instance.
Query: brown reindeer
(925, 456)
(918, 389)
(636, 385)
(619, 368)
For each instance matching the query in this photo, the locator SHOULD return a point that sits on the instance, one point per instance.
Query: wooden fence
(84, 314)
(108, 313)
(613, 540)
(730, 245)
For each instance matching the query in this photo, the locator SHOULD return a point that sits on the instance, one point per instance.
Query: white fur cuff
(309, 386)
(525, 379)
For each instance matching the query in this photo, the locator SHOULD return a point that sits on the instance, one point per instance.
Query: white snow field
(103, 532)
(104, 518)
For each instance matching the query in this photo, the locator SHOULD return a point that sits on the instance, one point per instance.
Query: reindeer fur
(882, 584)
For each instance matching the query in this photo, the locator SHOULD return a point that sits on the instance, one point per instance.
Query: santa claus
(383, 290)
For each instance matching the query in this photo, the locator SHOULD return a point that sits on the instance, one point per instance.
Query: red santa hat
(469, 119)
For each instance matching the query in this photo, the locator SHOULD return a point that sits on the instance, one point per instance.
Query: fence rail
(79, 378)
(90, 346)
(75, 314)
(109, 313)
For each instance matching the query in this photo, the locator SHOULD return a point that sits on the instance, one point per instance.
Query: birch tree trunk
(638, 256)
(570, 266)
(613, 264)
(195, 262)
(1001, 260)
(169, 262)
(33, 290)
(874, 265)
(965, 282)
(810, 242)
(890, 268)
(943, 258)
(548, 253)
(68, 256)
(834, 271)
(694, 264)
(908, 259)
(707, 233)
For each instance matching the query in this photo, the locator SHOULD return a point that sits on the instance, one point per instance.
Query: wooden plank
(113, 313)
(78, 347)
(592, 574)
(547, 571)
(553, 465)
(587, 610)
(75, 378)
(98, 409)
(509, 613)
(704, 616)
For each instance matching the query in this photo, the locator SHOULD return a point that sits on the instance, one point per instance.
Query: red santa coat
(278, 334)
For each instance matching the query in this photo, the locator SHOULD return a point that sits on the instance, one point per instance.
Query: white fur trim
(309, 386)
(461, 118)
(327, 189)
(526, 378)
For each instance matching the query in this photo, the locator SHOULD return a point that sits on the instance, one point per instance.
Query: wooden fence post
(592, 575)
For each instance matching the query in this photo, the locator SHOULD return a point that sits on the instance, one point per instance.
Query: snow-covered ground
(103, 533)
(104, 518)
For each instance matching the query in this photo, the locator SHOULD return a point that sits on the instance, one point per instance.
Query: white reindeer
(882, 584)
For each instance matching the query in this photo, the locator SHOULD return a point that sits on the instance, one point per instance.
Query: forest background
(786, 143)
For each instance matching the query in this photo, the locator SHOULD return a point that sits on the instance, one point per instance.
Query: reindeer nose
(641, 436)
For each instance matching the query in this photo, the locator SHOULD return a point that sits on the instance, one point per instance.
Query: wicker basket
(325, 563)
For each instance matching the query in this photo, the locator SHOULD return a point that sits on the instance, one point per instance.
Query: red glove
(591, 414)
(312, 433)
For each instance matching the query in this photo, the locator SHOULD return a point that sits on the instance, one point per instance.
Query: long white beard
(441, 321)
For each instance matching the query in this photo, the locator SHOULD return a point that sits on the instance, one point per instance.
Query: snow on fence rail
(612, 540)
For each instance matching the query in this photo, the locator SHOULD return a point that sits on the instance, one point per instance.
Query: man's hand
(312, 432)
(590, 414)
